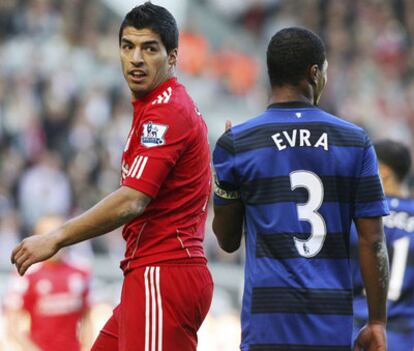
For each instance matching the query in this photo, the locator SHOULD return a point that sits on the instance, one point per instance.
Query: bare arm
(228, 225)
(110, 213)
(373, 258)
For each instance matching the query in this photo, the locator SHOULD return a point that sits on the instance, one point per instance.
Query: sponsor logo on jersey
(153, 134)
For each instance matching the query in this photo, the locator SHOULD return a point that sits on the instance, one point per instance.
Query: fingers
(15, 251)
(22, 258)
(23, 262)
(25, 266)
(227, 125)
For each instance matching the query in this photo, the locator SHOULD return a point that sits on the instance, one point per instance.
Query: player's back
(399, 233)
(304, 174)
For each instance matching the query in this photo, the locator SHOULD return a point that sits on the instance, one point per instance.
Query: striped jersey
(399, 234)
(303, 175)
(167, 157)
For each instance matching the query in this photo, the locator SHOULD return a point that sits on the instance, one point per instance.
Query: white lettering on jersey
(59, 303)
(164, 97)
(322, 141)
(138, 165)
(302, 139)
(399, 220)
(153, 134)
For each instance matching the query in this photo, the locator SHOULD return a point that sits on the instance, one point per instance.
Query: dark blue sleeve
(369, 194)
(226, 182)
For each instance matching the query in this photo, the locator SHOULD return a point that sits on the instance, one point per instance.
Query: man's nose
(136, 58)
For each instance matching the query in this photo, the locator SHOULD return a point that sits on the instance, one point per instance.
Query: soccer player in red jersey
(54, 295)
(162, 200)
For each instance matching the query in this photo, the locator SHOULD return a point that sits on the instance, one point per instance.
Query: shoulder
(172, 104)
(343, 132)
(339, 121)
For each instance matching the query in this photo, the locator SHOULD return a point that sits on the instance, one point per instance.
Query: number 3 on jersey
(308, 212)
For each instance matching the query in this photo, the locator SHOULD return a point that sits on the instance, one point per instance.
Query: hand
(34, 249)
(227, 126)
(371, 337)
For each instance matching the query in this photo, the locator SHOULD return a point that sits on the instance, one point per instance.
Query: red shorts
(161, 309)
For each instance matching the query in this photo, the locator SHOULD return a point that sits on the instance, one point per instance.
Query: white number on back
(308, 212)
(398, 266)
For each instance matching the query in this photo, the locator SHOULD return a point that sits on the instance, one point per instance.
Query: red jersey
(167, 157)
(55, 294)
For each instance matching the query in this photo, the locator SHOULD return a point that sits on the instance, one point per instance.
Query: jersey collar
(292, 104)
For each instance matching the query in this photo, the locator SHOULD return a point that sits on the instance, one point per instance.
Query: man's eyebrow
(126, 41)
(151, 42)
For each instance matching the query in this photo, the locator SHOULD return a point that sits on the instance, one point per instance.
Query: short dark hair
(290, 53)
(395, 155)
(156, 18)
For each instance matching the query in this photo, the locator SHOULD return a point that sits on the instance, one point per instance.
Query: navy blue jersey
(303, 175)
(399, 233)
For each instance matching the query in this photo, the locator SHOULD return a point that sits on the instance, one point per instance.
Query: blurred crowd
(65, 110)
(370, 48)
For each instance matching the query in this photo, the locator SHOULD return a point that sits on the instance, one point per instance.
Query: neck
(290, 93)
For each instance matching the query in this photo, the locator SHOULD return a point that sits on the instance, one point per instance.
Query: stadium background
(65, 110)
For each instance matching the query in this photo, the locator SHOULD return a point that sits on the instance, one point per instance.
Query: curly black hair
(290, 53)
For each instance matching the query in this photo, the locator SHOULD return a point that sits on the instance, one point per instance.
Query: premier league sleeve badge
(153, 134)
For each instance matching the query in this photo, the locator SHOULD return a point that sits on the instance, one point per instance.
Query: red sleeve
(162, 135)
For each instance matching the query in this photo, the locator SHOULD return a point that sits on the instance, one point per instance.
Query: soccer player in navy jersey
(394, 164)
(293, 179)
(162, 200)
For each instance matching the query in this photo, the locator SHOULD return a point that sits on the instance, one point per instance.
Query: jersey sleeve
(164, 134)
(226, 182)
(369, 194)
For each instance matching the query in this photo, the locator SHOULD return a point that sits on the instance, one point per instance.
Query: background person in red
(53, 298)
(162, 200)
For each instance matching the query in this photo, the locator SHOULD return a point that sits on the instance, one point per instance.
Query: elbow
(137, 208)
(229, 247)
(132, 210)
(227, 242)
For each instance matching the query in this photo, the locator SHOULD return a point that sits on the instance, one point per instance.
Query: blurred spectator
(52, 299)
(44, 189)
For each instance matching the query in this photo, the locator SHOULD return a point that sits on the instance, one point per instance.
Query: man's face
(145, 61)
(321, 83)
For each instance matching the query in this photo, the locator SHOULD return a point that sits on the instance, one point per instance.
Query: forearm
(110, 213)
(373, 258)
(228, 225)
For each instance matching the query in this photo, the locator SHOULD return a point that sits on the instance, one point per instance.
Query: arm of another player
(228, 225)
(110, 213)
(228, 208)
(373, 259)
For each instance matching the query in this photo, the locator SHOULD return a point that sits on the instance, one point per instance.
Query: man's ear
(314, 73)
(172, 57)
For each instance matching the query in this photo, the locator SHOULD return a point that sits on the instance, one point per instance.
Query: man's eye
(126, 47)
(150, 49)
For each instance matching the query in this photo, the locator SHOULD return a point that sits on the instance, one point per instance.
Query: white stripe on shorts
(153, 302)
